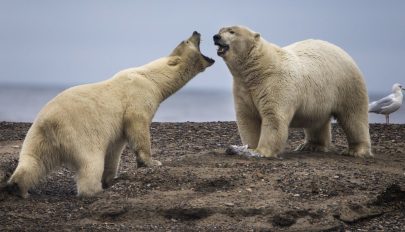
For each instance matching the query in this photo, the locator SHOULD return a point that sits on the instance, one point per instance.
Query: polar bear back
(328, 78)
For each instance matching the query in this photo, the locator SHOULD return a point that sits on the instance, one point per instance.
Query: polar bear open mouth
(222, 47)
(197, 43)
(209, 60)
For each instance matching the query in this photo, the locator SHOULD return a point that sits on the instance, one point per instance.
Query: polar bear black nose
(217, 37)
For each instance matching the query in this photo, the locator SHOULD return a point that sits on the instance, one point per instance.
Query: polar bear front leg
(111, 164)
(89, 174)
(273, 136)
(247, 116)
(249, 129)
(138, 135)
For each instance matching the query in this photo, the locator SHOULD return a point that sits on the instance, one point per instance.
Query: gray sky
(74, 42)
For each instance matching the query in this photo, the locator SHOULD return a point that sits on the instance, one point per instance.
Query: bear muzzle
(222, 46)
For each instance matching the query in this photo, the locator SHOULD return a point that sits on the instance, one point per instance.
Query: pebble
(296, 195)
(229, 204)
(249, 190)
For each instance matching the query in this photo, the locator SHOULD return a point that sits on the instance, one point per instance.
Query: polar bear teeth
(222, 49)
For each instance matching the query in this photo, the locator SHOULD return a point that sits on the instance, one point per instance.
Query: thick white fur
(301, 85)
(86, 127)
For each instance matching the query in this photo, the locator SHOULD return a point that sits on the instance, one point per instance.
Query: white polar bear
(301, 85)
(86, 127)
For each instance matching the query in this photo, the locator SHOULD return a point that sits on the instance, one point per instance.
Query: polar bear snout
(222, 46)
(195, 39)
(190, 49)
(195, 33)
(217, 37)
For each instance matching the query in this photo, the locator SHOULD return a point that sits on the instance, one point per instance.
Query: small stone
(296, 195)
(249, 190)
(336, 177)
(229, 204)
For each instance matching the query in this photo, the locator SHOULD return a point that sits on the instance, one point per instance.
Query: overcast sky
(74, 42)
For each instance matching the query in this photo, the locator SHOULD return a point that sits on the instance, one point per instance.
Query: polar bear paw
(360, 153)
(149, 163)
(13, 189)
(242, 151)
(312, 147)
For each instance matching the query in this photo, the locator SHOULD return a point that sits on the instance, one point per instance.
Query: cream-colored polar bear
(86, 127)
(302, 85)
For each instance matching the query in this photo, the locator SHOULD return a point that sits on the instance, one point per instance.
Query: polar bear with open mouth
(301, 85)
(87, 127)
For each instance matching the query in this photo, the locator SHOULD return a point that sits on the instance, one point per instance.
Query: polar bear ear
(257, 36)
(174, 60)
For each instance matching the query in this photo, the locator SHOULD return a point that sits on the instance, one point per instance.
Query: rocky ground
(200, 188)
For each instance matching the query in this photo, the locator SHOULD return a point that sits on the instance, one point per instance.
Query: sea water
(22, 104)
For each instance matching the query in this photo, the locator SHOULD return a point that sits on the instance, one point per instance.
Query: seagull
(388, 104)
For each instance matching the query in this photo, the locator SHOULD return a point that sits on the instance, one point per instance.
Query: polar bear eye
(232, 32)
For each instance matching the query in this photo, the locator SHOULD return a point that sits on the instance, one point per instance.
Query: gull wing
(378, 106)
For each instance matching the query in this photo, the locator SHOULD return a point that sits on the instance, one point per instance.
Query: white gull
(388, 104)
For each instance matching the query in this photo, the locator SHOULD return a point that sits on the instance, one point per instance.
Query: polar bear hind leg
(317, 138)
(356, 129)
(27, 174)
(32, 166)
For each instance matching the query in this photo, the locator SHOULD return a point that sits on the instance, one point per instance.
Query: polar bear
(86, 127)
(301, 85)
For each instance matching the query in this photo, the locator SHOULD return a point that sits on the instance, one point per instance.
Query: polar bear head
(235, 42)
(187, 54)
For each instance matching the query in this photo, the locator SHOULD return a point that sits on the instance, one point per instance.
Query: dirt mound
(200, 188)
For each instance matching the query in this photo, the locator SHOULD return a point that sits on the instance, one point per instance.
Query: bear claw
(311, 147)
(356, 153)
(150, 163)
